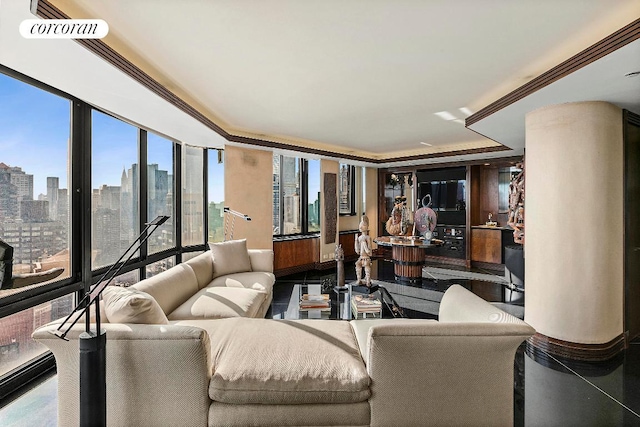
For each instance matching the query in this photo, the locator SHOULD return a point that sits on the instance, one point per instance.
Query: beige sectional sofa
(200, 289)
(243, 371)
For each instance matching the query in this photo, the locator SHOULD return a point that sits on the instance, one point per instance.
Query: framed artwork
(330, 202)
(346, 190)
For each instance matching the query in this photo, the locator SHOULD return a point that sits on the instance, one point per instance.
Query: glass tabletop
(315, 301)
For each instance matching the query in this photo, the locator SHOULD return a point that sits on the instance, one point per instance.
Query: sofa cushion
(258, 280)
(230, 257)
(170, 288)
(218, 303)
(126, 305)
(264, 361)
(202, 266)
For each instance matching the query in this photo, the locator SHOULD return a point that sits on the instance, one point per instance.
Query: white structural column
(574, 222)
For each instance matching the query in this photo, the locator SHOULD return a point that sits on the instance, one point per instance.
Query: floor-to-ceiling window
(115, 183)
(215, 187)
(77, 186)
(192, 195)
(296, 190)
(313, 196)
(160, 194)
(34, 209)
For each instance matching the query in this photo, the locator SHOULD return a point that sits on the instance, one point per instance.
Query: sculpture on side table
(339, 255)
(363, 248)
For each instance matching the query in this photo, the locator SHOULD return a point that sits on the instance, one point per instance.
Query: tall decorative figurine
(399, 223)
(340, 266)
(516, 205)
(363, 248)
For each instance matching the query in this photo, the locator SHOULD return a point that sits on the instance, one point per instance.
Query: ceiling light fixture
(464, 110)
(445, 115)
(458, 121)
(427, 144)
(633, 74)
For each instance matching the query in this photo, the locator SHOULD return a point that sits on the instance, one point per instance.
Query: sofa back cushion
(126, 305)
(202, 266)
(170, 288)
(230, 257)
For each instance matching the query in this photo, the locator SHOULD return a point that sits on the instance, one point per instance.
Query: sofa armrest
(261, 260)
(460, 305)
(156, 374)
(443, 373)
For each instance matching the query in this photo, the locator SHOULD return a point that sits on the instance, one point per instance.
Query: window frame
(351, 191)
(81, 275)
(303, 165)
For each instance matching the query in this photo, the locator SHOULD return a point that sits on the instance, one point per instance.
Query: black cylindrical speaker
(93, 380)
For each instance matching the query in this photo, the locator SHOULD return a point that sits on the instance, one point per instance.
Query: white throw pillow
(230, 257)
(127, 305)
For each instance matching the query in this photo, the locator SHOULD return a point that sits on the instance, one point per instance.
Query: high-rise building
(33, 241)
(15, 186)
(9, 208)
(52, 196)
(106, 208)
(34, 210)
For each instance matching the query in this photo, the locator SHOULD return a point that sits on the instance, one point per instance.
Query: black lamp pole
(93, 357)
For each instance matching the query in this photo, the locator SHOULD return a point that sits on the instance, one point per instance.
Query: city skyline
(33, 120)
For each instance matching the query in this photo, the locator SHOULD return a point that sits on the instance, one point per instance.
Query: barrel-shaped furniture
(408, 255)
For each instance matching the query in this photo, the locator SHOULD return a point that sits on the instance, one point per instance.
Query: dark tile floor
(548, 391)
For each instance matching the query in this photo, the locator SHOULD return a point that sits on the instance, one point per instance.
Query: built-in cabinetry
(463, 196)
(295, 254)
(488, 243)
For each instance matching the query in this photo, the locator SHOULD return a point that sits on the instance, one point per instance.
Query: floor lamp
(93, 380)
(228, 210)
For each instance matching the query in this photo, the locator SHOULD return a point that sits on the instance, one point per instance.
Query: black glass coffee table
(316, 300)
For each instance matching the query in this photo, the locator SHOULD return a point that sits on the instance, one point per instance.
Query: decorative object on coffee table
(366, 304)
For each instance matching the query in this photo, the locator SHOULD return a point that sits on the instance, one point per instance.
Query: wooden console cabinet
(486, 245)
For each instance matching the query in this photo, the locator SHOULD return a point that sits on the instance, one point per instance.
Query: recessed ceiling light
(633, 74)
(427, 144)
(445, 115)
(465, 111)
(487, 164)
(458, 121)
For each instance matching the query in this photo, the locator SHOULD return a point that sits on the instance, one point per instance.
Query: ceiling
(357, 77)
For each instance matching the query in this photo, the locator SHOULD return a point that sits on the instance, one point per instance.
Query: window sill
(295, 237)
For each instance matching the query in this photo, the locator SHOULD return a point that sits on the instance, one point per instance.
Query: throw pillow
(127, 305)
(230, 257)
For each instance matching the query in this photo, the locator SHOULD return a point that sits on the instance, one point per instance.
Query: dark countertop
(487, 227)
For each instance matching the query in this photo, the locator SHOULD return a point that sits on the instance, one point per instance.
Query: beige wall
(248, 188)
(574, 222)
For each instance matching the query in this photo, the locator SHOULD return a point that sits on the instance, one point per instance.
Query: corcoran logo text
(64, 28)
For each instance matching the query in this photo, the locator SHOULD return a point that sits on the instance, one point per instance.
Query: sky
(35, 131)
